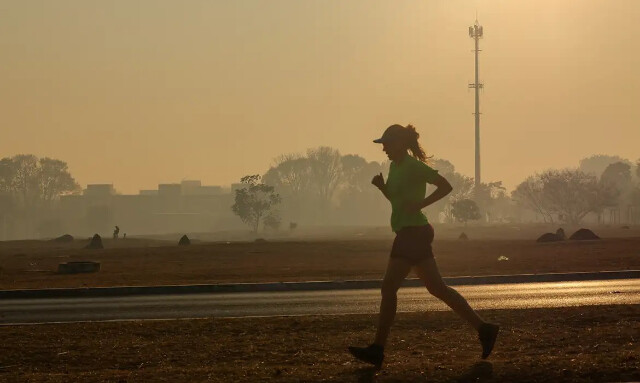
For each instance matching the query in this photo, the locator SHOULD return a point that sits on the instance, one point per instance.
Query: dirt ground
(579, 344)
(353, 254)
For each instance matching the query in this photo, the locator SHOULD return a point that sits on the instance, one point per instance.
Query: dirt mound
(184, 241)
(96, 243)
(63, 239)
(549, 237)
(78, 267)
(463, 236)
(583, 235)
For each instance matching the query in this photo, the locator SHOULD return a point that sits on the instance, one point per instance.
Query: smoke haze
(137, 93)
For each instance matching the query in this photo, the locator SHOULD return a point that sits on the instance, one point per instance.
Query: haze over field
(136, 93)
(223, 148)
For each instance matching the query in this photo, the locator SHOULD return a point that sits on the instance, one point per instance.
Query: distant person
(116, 231)
(405, 189)
(124, 236)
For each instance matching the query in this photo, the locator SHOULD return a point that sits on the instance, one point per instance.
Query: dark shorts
(413, 243)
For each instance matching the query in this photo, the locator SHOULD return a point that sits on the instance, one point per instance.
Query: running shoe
(372, 354)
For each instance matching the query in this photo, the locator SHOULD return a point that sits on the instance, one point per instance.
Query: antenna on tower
(476, 33)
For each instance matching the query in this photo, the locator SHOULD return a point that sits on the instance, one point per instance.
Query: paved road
(504, 296)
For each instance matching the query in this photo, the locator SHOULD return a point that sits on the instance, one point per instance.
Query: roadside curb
(307, 286)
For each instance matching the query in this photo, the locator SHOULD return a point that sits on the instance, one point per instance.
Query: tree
(326, 173)
(465, 210)
(442, 166)
(618, 176)
(273, 221)
(619, 179)
(354, 176)
(358, 201)
(255, 201)
(569, 193)
(357, 173)
(461, 184)
(25, 179)
(486, 194)
(290, 175)
(574, 194)
(33, 181)
(635, 196)
(28, 188)
(530, 195)
(596, 164)
(7, 171)
(6, 186)
(54, 179)
(311, 185)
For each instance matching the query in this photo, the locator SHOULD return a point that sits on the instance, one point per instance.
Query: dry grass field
(578, 344)
(330, 255)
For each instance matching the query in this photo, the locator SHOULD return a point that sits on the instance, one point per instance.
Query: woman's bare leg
(397, 271)
(428, 272)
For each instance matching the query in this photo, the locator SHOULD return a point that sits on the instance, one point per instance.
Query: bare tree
(54, 179)
(25, 179)
(29, 186)
(290, 173)
(357, 173)
(530, 195)
(574, 193)
(353, 167)
(32, 180)
(7, 171)
(326, 173)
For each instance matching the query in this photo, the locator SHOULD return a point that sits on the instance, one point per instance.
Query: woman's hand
(378, 181)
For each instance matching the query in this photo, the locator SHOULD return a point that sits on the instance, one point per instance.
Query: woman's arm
(443, 187)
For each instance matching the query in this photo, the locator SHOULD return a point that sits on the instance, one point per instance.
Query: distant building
(99, 190)
(190, 187)
(172, 208)
(210, 190)
(169, 190)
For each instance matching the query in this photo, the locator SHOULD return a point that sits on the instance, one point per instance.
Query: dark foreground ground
(33, 264)
(580, 344)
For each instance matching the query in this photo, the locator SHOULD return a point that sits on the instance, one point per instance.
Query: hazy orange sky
(136, 93)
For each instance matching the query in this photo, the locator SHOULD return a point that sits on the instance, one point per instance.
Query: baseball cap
(390, 134)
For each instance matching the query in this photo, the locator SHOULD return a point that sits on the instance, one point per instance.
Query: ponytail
(413, 145)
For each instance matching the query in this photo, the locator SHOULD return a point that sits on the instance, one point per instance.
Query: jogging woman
(405, 189)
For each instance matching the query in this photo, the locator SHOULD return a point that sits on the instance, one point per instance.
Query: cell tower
(475, 32)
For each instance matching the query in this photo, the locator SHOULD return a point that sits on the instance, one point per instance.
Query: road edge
(306, 286)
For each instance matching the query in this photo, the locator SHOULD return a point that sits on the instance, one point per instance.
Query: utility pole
(475, 32)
